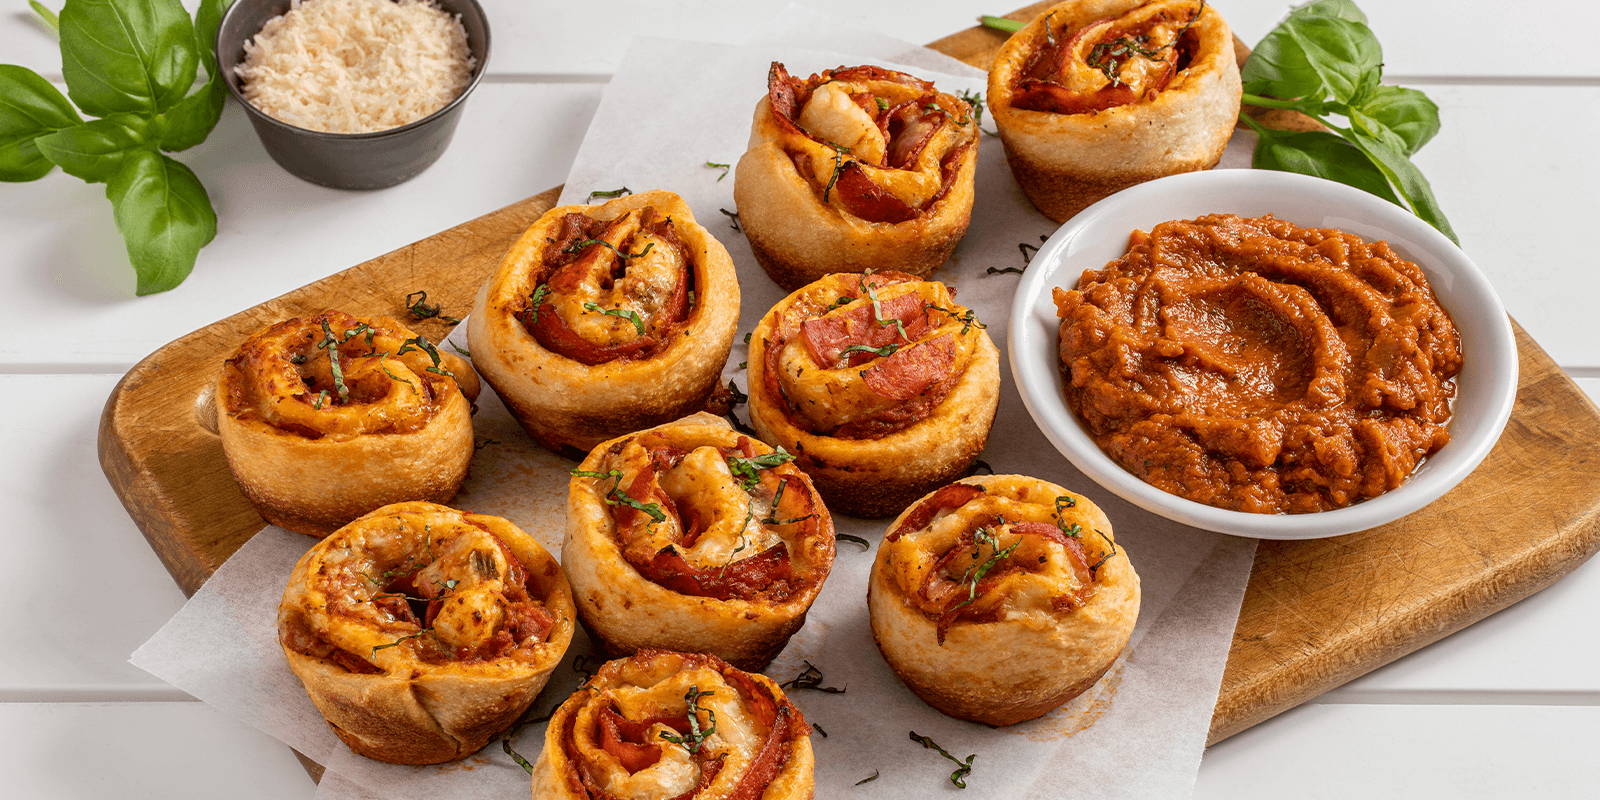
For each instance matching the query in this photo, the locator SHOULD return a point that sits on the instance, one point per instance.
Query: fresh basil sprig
(1323, 61)
(132, 64)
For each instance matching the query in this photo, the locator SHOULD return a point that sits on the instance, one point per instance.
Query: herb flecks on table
(853, 539)
(419, 307)
(810, 678)
(963, 767)
(145, 109)
(608, 194)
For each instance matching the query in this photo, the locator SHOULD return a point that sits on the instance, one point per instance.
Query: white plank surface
(275, 231)
(543, 38)
(82, 586)
(1336, 752)
(90, 751)
(1507, 708)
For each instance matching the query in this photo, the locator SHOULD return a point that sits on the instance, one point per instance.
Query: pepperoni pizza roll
(880, 384)
(325, 418)
(855, 168)
(998, 598)
(421, 631)
(1098, 95)
(691, 536)
(675, 726)
(606, 319)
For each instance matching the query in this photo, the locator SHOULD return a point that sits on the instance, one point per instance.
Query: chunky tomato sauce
(1253, 365)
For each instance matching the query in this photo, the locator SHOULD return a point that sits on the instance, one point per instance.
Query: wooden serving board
(1316, 613)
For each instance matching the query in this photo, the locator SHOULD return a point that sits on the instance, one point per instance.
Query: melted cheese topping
(372, 574)
(1017, 565)
(847, 367)
(649, 267)
(831, 115)
(710, 516)
(899, 134)
(285, 377)
(1139, 48)
(653, 686)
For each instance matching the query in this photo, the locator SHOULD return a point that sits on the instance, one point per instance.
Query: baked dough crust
(868, 453)
(1067, 161)
(714, 574)
(566, 404)
(760, 748)
(311, 460)
(1043, 622)
(803, 214)
(395, 687)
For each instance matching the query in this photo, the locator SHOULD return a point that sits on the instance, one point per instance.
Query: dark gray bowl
(350, 160)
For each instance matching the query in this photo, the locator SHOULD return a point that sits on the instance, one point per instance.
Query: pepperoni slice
(909, 126)
(947, 498)
(867, 200)
(827, 337)
(626, 739)
(909, 372)
(767, 573)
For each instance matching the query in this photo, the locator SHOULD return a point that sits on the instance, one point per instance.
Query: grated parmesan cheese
(356, 66)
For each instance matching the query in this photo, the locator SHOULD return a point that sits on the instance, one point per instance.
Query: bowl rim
(225, 72)
(1438, 256)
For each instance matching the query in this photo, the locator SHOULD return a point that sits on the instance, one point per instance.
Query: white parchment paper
(671, 107)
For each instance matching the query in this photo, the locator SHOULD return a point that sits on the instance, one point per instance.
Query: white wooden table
(1508, 708)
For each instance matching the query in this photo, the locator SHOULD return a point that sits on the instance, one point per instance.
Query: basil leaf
(29, 108)
(49, 17)
(165, 217)
(1340, 9)
(1387, 151)
(94, 151)
(1314, 56)
(135, 56)
(1407, 112)
(1323, 155)
(207, 19)
(190, 121)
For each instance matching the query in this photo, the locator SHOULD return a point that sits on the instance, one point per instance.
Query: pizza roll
(325, 418)
(998, 598)
(855, 168)
(881, 385)
(606, 319)
(1095, 96)
(691, 536)
(421, 631)
(675, 726)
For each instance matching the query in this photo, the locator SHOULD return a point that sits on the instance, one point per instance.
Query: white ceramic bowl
(1485, 390)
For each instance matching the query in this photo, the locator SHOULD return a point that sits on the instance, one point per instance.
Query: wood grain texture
(1316, 614)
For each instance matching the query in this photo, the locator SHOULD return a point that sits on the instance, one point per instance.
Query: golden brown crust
(1067, 161)
(1052, 607)
(405, 688)
(800, 218)
(724, 570)
(310, 457)
(566, 404)
(609, 735)
(873, 472)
